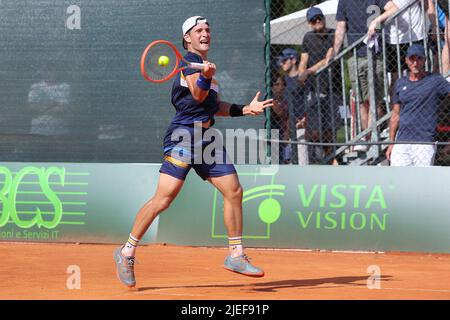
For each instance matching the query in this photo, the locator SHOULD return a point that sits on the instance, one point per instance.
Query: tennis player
(196, 100)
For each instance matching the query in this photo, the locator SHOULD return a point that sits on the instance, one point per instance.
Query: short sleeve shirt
(419, 101)
(316, 46)
(357, 13)
(188, 110)
(410, 23)
(294, 95)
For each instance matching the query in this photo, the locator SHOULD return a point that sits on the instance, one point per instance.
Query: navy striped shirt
(188, 110)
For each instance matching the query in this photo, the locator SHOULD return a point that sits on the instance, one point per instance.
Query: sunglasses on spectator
(281, 62)
(316, 19)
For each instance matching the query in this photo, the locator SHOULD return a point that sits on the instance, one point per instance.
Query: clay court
(168, 272)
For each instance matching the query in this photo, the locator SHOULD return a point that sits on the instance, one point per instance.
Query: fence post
(371, 60)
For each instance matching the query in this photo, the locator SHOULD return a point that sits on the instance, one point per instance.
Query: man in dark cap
(322, 118)
(415, 112)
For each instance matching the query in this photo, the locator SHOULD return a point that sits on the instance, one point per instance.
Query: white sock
(129, 250)
(235, 246)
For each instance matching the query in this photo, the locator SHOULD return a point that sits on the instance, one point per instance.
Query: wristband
(203, 83)
(236, 110)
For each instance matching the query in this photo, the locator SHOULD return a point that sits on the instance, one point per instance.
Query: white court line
(189, 286)
(412, 289)
(152, 292)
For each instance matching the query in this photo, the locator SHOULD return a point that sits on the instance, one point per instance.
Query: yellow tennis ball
(163, 61)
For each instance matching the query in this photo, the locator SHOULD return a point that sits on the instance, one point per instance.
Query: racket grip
(195, 65)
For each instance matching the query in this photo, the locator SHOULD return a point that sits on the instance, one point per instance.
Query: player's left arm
(254, 108)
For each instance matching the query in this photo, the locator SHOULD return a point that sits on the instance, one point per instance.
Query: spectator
(288, 61)
(415, 112)
(317, 48)
(409, 27)
(352, 19)
(280, 114)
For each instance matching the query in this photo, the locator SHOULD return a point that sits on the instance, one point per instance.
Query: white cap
(190, 23)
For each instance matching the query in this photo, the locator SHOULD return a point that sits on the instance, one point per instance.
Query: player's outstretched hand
(257, 107)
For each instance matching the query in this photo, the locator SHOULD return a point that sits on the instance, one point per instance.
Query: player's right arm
(198, 82)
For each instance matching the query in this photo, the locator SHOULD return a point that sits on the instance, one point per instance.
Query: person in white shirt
(409, 27)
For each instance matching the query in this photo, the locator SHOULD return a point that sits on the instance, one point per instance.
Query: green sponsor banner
(60, 202)
(321, 207)
(314, 207)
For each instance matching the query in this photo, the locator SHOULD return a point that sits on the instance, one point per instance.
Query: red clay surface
(39, 271)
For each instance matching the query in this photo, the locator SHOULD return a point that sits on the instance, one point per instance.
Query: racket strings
(160, 62)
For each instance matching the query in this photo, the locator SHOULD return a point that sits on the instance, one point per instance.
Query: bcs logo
(10, 191)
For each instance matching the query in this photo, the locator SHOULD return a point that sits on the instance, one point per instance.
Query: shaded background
(78, 95)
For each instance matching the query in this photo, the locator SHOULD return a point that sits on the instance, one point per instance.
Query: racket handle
(195, 65)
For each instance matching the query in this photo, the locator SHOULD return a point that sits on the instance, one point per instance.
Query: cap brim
(420, 55)
(315, 17)
(280, 60)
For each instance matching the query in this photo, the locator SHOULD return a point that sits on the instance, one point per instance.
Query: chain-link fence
(361, 82)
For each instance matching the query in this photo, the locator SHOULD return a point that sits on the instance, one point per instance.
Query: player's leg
(167, 190)
(231, 190)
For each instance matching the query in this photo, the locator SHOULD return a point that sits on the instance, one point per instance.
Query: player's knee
(164, 203)
(236, 193)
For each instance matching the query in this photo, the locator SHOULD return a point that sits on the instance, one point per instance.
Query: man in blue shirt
(415, 112)
(196, 100)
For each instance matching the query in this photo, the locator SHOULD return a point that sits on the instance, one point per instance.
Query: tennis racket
(161, 60)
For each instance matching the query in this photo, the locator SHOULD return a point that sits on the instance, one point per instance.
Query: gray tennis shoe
(124, 268)
(243, 266)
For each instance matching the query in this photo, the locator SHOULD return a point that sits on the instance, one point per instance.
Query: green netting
(70, 85)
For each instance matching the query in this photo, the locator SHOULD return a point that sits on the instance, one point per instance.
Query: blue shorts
(180, 157)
